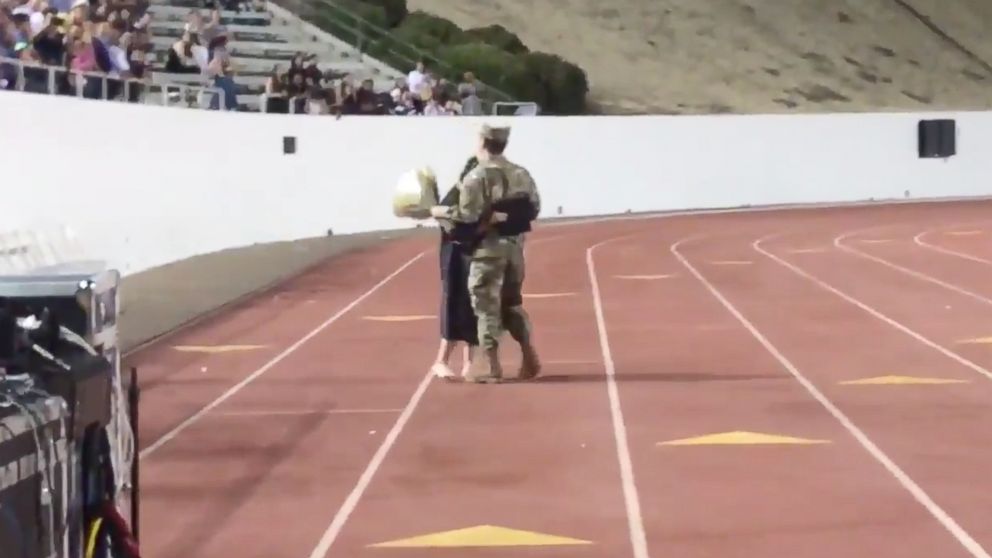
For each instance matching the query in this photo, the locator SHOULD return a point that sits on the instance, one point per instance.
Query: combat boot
(530, 366)
(486, 370)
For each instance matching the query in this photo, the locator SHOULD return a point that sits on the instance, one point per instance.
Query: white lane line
(635, 522)
(839, 243)
(807, 250)
(891, 322)
(970, 544)
(305, 412)
(271, 363)
(918, 240)
(350, 503)
(731, 262)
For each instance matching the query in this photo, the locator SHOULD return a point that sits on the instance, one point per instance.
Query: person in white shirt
(417, 79)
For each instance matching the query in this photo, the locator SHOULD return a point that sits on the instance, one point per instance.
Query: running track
(316, 432)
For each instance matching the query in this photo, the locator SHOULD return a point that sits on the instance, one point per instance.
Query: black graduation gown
(458, 321)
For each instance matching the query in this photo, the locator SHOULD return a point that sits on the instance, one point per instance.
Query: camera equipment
(67, 447)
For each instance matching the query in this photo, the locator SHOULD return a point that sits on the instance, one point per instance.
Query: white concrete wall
(143, 186)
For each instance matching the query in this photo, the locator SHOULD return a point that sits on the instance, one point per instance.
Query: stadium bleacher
(261, 41)
(245, 55)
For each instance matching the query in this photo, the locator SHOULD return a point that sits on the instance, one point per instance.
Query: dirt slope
(697, 56)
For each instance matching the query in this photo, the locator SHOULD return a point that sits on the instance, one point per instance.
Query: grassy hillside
(698, 56)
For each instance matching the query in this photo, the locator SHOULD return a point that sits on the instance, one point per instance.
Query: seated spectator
(331, 94)
(80, 57)
(316, 101)
(21, 25)
(49, 43)
(365, 97)
(471, 105)
(399, 105)
(276, 99)
(311, 69)
(468, 85)
(137, 47)
(180, 59)
(96, 36)
(434, 107)
(296, 92)
(452, 106)
(79, 13)
(348, 100)
(220, 69)
(295, 65)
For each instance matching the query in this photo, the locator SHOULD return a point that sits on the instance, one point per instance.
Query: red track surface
(744, 322)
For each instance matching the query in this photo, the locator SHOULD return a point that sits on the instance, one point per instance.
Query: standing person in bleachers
(417, 80)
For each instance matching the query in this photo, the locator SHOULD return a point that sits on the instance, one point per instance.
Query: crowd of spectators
(305, 89)
(202, 49)
(105, 38)
(101, 37)
(102, 46)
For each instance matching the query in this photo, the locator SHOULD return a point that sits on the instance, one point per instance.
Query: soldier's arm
(535, 196)
(470, 201)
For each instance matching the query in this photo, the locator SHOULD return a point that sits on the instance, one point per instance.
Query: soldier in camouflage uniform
(496, 271)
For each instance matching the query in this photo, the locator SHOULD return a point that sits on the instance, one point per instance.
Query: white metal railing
(503, 108)
(63, 81)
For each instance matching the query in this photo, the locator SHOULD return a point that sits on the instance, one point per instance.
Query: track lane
(248, 462)
(942, 312)
(176, 385)
(539, 457)
(929, 430)
(818, 500)
(292, 463)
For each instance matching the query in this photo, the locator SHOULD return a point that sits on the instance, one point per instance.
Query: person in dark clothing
(457, 319)
(179, 59)
(50, 42)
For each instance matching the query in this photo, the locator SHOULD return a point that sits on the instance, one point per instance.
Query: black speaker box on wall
(937, 138)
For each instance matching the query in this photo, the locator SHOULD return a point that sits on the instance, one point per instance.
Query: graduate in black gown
(458, 321)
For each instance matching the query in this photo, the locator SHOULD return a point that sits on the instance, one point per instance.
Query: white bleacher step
(162, 12)
(263, 66)
(273, 51)
(255, 83)
(259, 35)
(281, 29)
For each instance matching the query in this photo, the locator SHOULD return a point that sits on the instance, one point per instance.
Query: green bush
(564, 83)
(395, 10)
(494, 54)
(423, 41)
(421, 23)
(498, 36)
(372, 14)
(495, 67)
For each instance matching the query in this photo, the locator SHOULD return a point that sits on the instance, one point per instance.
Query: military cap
(495, 133)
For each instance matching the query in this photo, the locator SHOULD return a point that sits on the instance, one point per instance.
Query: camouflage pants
(515, 318)
(495, 283)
